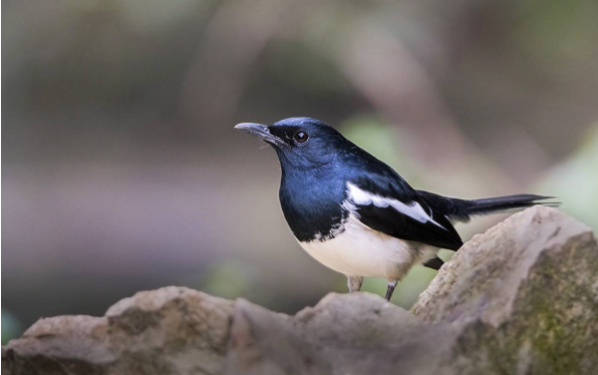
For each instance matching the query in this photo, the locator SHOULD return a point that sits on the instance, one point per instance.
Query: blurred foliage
(229, 279)
(380, 139)
(574, 182)
(11, 327)
(315, 75)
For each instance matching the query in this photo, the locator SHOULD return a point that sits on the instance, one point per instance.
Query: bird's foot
(390, 289)
(354, 283)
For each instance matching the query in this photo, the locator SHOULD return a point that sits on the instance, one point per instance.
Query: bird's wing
(401, 215)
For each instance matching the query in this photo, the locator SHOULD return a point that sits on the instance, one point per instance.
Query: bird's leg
(354, 283)
(390, 289)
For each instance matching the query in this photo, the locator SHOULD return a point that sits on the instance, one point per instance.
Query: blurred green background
(122, 172)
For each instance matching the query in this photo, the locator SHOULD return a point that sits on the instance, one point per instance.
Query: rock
(519, 299)
(344, 333)
(524, 296)
(171, 330)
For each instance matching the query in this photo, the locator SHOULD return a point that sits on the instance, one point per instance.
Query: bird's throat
(311, 208)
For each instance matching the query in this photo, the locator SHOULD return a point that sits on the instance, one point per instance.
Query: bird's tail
(462, 210)
(507, 203)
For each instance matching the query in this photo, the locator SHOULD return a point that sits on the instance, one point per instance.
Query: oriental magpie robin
(355, 214)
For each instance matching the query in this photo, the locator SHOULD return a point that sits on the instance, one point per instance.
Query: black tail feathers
(506, 203)
(462, 210)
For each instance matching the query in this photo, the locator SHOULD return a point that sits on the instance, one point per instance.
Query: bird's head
(300, 142)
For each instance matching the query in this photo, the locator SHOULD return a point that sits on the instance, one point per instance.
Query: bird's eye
(300, 137)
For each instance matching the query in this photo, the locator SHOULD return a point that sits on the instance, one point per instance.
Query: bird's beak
(260, 131)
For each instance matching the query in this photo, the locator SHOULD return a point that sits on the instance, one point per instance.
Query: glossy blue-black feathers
(314, 189)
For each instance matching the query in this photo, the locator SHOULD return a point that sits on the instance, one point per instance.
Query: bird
(355, 214)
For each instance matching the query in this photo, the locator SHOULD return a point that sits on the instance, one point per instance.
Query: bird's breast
(358, 250)
(313, 209)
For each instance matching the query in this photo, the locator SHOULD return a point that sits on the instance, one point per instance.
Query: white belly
(362, 251)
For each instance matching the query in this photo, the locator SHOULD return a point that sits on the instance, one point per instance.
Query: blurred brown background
(122, 172)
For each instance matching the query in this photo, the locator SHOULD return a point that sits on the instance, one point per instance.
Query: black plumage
(330, 186)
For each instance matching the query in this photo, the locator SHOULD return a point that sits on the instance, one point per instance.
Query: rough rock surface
(524, 296)
(167, 331)
(520, 299)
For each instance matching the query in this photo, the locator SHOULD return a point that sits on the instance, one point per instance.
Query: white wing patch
(413, 210)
